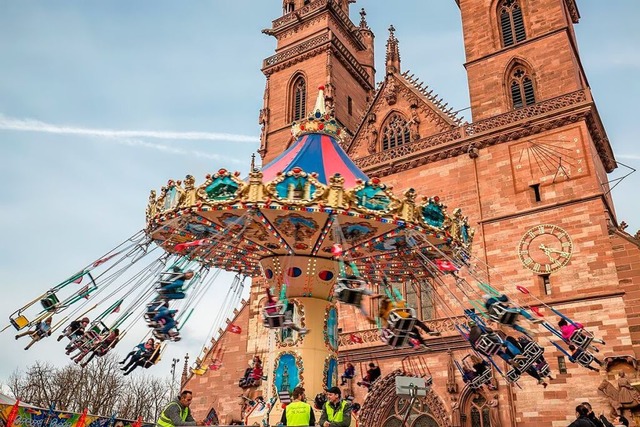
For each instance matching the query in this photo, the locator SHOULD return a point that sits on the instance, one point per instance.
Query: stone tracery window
(420, 298)
(299, 99)
(511, 22)
(395, 132)
(479, 412)
(521, 87)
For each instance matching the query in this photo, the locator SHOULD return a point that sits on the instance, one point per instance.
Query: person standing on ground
(582, 417)
(335, 412)
(298, 412)
(177, 412)
(591, 416)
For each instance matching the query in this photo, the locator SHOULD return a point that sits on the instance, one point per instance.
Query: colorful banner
(38, 417)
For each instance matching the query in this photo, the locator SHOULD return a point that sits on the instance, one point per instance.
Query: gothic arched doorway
(384, 408)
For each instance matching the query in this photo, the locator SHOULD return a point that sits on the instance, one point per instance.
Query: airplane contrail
(30, 125)
(175, 150)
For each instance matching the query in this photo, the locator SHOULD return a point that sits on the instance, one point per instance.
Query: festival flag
(336, 249)
(117, 307)
(13, 414)
(79, 278)
(537, 311)
(355, 339)
(83, 418)
(445, 265)
(183, 246)
(234, 329)
(138, 422)
(105, 259)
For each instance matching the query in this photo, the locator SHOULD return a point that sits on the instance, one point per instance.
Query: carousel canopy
(304, 203)
(319, 153)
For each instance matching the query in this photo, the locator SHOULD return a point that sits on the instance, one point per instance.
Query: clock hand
(547, 250)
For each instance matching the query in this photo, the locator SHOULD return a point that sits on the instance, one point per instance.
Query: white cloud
(174, 150)
(30, 125)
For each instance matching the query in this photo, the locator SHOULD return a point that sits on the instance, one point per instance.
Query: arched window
(396, 132)
(521, 88)
(288, 6)
(511, 22)
(299, 100)
(479, 412)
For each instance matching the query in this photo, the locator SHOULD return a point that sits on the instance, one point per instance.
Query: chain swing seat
(349, 290)
(168, 277)
(503, 314)
(399, 326)
(489, 344)
(159, 335)
(395, 339)
(581, 338)
(152, 310)
(543, 369)
(19, 321)
(89, 339)
(402, 320)
(531, 353)
(480, 380)
(50, 302)
(513, 375)
(273, 316)
(583, 357)
(85, 343)
(477, 381)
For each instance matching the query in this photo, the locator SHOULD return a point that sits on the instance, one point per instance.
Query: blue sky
(102, 101)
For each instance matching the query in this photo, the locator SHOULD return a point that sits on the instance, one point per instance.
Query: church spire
(393, 53)
(363, 19)
(183, 379)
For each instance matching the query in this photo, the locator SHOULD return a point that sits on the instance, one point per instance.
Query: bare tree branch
(99, 387)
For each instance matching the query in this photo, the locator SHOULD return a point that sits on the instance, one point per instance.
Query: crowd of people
(585, 417)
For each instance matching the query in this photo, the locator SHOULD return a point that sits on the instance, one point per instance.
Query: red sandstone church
(532, 164)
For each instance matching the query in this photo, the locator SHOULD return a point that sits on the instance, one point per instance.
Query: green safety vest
(332, 415)
(298, 414)
(165, 421)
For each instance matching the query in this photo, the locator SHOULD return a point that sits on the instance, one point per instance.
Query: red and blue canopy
(319, 153)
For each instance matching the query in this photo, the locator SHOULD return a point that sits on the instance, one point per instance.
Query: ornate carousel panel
(287, 373)
(300, 229)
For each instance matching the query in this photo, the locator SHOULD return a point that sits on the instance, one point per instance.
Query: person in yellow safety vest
(298, 412)
(177, 412)
(335, 412)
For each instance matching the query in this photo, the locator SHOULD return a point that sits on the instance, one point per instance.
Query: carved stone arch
(468, 402)
(390, 123)
(290, 101)
(513, 64)
(383, 407)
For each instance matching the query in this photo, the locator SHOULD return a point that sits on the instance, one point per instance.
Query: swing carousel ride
(318, 232)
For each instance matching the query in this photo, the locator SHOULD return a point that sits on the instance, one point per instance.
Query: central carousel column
(309, 360)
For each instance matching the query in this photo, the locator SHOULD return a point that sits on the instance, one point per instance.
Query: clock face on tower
(548, 159)
(545, 248)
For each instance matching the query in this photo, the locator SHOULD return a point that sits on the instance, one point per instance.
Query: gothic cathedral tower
(317, 45)
(527, 84)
